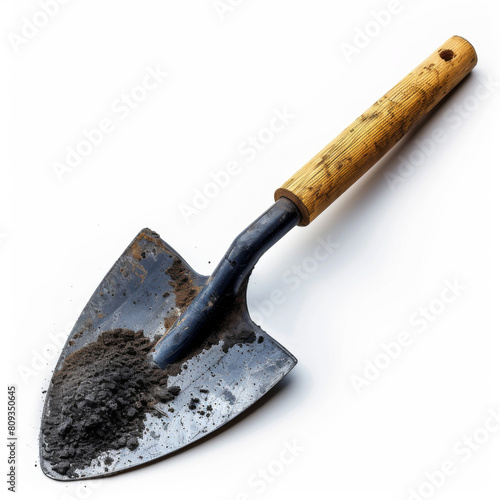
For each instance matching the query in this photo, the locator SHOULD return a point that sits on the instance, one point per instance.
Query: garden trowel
(162, 356)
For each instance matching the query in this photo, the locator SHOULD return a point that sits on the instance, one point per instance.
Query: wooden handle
(342, 162)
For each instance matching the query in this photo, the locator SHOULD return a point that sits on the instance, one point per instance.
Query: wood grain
(344, 160)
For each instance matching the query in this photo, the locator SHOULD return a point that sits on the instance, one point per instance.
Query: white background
(395, 248)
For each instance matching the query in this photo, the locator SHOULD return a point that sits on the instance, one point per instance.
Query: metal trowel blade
(140, 293)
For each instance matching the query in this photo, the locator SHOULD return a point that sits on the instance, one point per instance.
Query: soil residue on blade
(229, 326)
(99, 400)
(183, 289)
(182, 284)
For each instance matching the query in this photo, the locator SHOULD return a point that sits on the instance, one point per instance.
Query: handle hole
(446, 54)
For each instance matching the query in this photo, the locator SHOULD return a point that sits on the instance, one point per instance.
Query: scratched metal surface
(133, 296)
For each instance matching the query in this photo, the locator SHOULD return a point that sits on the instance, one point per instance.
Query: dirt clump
(99, 400)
